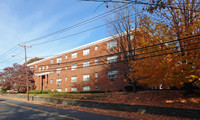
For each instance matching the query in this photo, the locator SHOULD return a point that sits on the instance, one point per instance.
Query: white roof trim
(75, 49)
(45, 73)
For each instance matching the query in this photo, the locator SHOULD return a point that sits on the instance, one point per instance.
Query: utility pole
(25, 65)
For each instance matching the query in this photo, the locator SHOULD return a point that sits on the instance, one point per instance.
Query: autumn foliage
(15, 78)
(168, 49)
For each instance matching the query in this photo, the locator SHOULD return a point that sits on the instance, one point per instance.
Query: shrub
(76, 92)
(120, 90)
(41, 92)
(108, 91)
(4, 90)
(128, 88)
(35, 92)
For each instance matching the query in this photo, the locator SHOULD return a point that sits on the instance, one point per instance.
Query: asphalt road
(19, 110)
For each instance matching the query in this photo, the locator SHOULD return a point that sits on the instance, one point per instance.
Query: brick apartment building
(86, 68)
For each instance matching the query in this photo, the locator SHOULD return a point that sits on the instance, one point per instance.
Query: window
(35, 83)
(51, 81)
(66, 89)
(58, 70)
(131, 37)
(74, 55)
(35, 66)
(86, 77)
(66, 57)
(59, 90)
(74, 79)
(86, 88)
(112, 59)
(47, 67)
(73, 89)
(58, 81)
(96, 61)
(43, 68)
(66, 67)
(96, 48)
(51, 71)
(74, 67)
(59, 60)
(112, 74)
(86, 52)
(65, 79)
(112, 44)
(96, 75)
(31, 67)
(39, 69)
(51, 61)
(86, 64)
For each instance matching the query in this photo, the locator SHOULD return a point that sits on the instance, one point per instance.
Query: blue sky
(24, 20)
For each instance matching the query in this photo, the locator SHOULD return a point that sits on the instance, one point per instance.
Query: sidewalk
(144, 109)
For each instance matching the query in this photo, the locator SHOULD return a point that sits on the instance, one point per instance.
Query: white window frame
(111, 44)
(86, 77)
(74, 67)
(74, 55)
(58, 70)
(74, 79)
(59, 60)
(66, 89)
(131, 37)
(47, 67)
(66, 79)
(96, 48)
(51, 70)
(51, 81)
(58, 82)
(96, 75)
(86, 88)
(35, 66)
(59, 89)
(96, 61)
(73, 89)
(52, 61)
(112, 74)
(39, 69)
(86, 64)
(112, 59)
(86, 52)
(66, 56)
(66, 68)
(43, 68)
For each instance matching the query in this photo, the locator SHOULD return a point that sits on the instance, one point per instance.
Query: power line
(104, 63)
(66, 29)
(77, 25)
(81, 31)
(143, 3)
(135, 55)
(138, 49)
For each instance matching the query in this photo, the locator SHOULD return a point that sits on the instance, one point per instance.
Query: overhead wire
(176, 51)
(65, 29)
(78, 24)
(81, 31)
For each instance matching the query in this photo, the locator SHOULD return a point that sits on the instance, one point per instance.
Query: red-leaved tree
(15, 78)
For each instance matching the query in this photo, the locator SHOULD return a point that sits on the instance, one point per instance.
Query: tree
(121, 28)
(15, 78)
(34, 60)
(179, 21)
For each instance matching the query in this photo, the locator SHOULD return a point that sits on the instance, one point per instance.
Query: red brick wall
(102, 82)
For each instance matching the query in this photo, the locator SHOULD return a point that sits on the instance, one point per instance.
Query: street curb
(168, 111)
